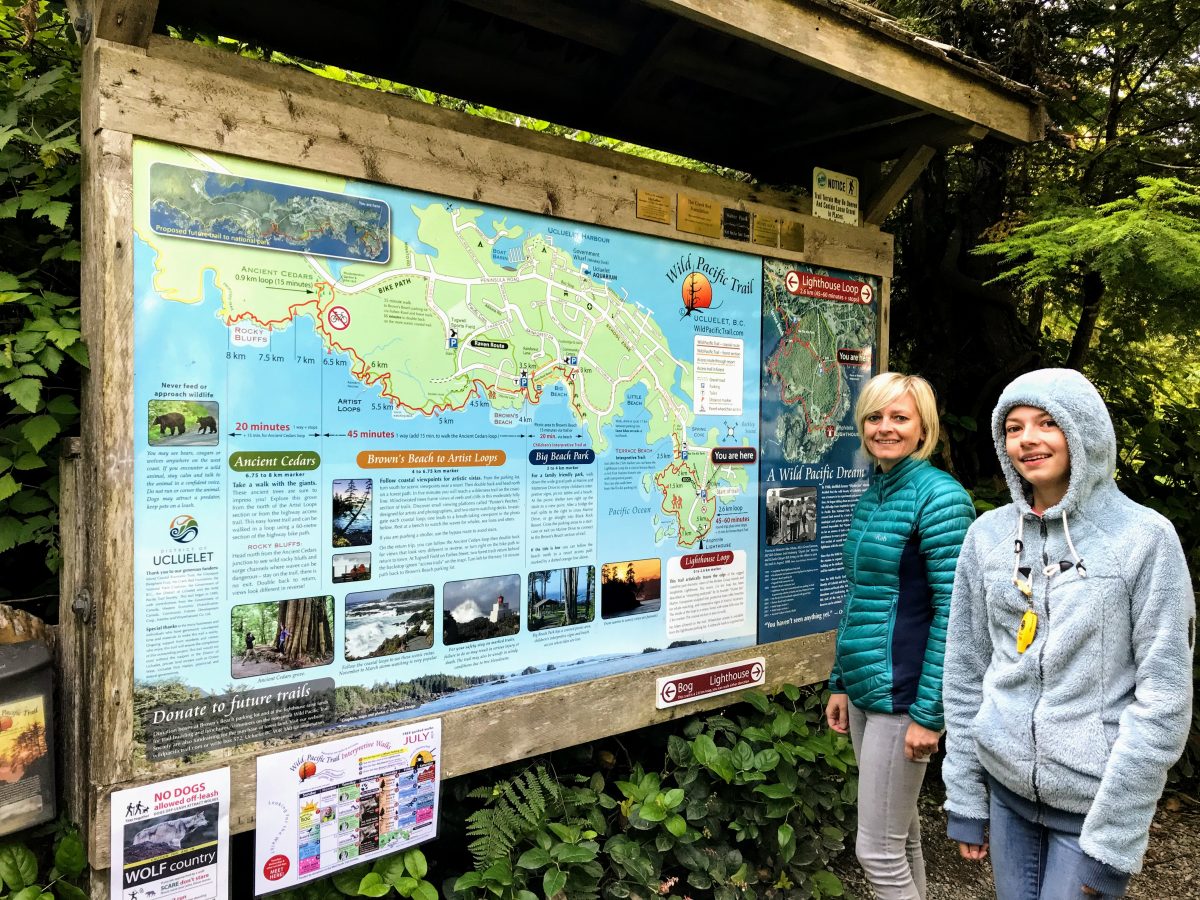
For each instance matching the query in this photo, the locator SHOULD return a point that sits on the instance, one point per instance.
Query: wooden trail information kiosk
(396, 413)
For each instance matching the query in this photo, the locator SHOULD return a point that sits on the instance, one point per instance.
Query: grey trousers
(889, 829)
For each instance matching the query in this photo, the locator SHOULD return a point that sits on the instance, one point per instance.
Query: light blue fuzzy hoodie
(1090, 718)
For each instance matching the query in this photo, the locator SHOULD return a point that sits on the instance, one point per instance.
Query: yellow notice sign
(699, 216)
(654, 207)
(835, 196)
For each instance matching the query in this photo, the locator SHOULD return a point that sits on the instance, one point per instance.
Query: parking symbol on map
(791, 281)
(338, 318)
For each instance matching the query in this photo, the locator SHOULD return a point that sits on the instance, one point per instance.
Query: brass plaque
(791, 235)
(765, 230)
(654, 207)
(699, 216)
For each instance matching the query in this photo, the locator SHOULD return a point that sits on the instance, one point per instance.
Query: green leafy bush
(399, 875)
(749, 804)
(23, 876)
(41, 353)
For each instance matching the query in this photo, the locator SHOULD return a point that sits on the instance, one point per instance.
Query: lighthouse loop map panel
(397, 454)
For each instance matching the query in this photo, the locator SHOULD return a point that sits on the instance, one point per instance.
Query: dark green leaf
(534, 859)
(373, 886)
(757, 699)
(774, 791)
(468, 881)
(69, 855)
(573, 853)
(40, 430)
(18, 866)
(414, 863)
(553, 882)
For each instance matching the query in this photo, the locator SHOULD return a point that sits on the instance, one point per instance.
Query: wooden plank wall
(214, 101)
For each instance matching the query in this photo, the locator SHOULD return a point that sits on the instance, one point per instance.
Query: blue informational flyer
(819, 330)
(396, 453)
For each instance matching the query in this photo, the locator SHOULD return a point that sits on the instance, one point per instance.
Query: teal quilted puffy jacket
(900, 556)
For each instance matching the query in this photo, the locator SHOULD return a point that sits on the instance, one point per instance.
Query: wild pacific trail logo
(184, 529)
(697, 294)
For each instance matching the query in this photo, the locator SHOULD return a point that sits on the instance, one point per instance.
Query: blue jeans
(1034, 849)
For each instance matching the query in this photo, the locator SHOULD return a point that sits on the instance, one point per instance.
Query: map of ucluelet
(467, 312)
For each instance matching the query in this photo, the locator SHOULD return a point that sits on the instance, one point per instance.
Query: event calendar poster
(819, 331)
(330, 806)
(395, 453)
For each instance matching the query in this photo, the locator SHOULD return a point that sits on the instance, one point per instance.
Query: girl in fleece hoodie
(1068, 679)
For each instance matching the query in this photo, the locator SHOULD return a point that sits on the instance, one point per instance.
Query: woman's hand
(1090, 891)
(837, 713)
(976, 852)
(920, 743)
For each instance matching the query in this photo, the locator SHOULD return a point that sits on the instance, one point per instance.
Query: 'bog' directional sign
(688, 686)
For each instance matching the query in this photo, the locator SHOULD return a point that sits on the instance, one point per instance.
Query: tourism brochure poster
(333, 805)
(170, 840)
(819, 330)
(395, 453)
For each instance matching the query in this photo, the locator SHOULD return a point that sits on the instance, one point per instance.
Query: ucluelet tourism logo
(184, 528)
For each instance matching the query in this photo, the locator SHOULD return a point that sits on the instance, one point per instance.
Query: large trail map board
(396, 453)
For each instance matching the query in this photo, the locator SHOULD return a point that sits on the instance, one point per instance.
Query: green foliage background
(41, 354)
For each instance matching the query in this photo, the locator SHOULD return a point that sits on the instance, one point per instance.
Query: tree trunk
(309, 633)
(571, 594)
(1093, 294)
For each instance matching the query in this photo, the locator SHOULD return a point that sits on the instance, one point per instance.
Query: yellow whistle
(1028, 629)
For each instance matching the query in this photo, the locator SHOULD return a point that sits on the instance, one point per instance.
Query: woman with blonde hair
(886, 683)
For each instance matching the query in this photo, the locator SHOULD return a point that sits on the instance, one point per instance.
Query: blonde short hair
(886, 387)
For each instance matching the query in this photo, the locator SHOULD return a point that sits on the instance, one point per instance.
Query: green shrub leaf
(553, 881)
(69, 856)
(25, 392)
(373, 886)
(40, 430)
(415, 864)
(18, 867)
(536, 858)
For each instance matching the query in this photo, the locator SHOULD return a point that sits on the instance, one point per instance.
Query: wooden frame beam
(896, 184)
(817, 37)
(121, 21)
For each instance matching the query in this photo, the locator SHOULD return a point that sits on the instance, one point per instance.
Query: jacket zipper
(1041, 672)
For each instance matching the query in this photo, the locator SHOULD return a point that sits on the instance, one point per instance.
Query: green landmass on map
(435, 331)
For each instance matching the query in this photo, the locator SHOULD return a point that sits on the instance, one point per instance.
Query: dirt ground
(1171, 870)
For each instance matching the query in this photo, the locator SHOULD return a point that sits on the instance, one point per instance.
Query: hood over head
(1079, 411)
